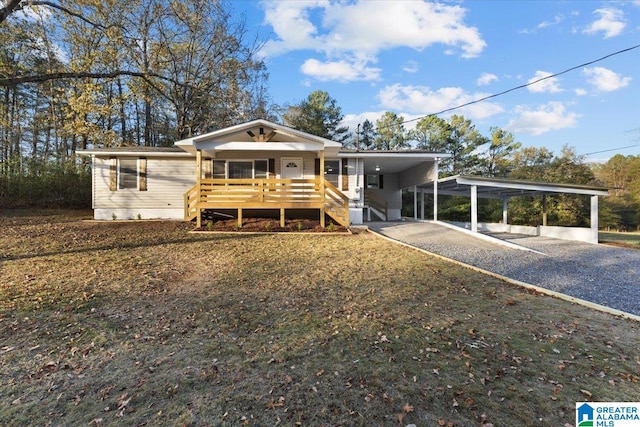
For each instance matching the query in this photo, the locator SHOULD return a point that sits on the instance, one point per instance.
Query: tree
(622, 175)
(457, 136)
(530, 163)
(319, 115)
(108, 73)
(367, 135)
(497, 157)
(431, 133)
(391, 132)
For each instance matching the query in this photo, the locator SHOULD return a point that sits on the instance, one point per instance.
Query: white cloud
(486, 78)
(422, 100)
(580, 92)
(341, 30)
(342, 70)
(557, 20)
(611, 22)
(411, 67)
(352, 120)
(549, 85)
(605, 80)
(546, 118)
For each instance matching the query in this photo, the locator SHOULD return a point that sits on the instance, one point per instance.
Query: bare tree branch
(16, 5)
(9, 8)
(39, 78)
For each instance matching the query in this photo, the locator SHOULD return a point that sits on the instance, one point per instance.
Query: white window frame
(119, 175)
(253, 166)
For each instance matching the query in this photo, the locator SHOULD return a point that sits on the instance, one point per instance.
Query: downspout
(358, 189)
(435, 191)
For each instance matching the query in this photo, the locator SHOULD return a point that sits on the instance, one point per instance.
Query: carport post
(474, 208)
(415, 202)
(594, 219)
(435, 199)
(422, 204)
(505, 202)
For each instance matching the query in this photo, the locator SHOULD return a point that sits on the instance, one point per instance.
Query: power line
(611, 149)
(524, 85)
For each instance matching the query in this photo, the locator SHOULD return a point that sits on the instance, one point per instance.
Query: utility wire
(524, 85)
(611, 149)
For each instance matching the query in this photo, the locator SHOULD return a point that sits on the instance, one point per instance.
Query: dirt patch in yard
(270, 225)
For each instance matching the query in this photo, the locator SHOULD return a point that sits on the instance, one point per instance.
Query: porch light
(377, 168)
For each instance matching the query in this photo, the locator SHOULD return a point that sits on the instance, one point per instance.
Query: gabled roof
(257, 135)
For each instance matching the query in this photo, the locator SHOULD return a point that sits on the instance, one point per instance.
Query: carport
(475, 187)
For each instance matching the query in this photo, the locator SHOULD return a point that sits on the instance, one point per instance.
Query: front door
(291, 168)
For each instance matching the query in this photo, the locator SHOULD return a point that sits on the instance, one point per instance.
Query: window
(219, 169)
(332, 171)
(240, 170)
(261, 169)
(128, 173)
(128, 176)
(374, 181)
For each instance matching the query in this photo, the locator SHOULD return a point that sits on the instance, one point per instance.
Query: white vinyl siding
(167, 181)
(422, 173)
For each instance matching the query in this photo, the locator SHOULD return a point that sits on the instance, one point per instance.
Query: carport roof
(502, 188)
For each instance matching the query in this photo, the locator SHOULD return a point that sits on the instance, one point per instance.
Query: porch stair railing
(376, 204)
(267, 194)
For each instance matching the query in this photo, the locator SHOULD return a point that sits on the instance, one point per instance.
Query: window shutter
(142, 172)
(272, 168)
(206, 168)
(113, 174)
(316, 167)
(380, 182)
(345, 175)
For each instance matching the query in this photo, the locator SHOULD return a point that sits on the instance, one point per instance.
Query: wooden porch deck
(270, 193)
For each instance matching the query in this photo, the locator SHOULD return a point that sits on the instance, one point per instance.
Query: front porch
(268, 194)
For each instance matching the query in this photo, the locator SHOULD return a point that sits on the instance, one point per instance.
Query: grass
(142, 323)
(630, 240)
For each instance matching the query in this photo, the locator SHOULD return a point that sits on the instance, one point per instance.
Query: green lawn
(631, 240)
(143, 323)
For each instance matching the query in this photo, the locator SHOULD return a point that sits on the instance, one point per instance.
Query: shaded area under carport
(478, 187)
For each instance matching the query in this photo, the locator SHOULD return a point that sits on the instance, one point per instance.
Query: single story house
(265, 168)
(252, 167)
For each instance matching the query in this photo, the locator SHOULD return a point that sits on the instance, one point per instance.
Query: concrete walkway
(600, 274)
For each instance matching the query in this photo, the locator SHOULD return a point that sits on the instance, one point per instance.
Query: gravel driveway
(605, 275)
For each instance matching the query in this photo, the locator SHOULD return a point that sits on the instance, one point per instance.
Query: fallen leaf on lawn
(407, 408)
(276, 403)
(586, 393)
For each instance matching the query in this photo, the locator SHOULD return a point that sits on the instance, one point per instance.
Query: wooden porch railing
(377, 203)
(267, 194)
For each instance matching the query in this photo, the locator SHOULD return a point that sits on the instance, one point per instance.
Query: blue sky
(417, 58)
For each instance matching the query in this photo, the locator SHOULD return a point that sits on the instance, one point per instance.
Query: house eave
(115, 152)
